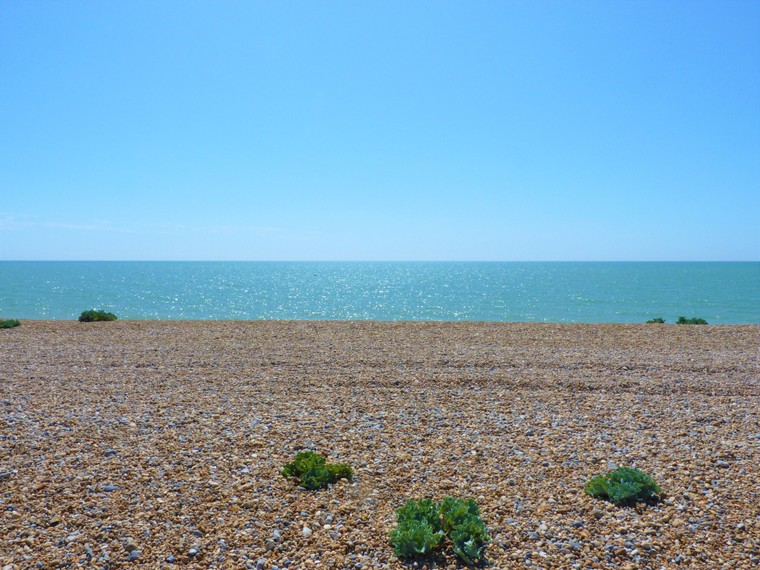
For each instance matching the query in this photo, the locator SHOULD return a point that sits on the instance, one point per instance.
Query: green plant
(340, 471)
(419, 528)
(313, 471)
(413, 538)
(9, 323)
(692, 321)
(658, 320)
(422, 510)
(455, 511)
(469, 536)
(92, 315)
(422, 524)
(623, 486)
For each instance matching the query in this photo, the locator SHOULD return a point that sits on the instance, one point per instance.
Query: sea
(559, 292)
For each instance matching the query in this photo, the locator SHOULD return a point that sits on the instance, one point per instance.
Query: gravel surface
(159, 444)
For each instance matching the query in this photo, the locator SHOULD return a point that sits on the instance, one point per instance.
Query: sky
(380, 130)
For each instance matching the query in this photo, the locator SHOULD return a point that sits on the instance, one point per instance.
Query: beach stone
(129, 545)
(134, 555)
(110, 488)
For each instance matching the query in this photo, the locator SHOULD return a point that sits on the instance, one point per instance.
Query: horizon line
(131, 260)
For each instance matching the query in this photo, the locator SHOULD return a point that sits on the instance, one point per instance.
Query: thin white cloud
(14, 222)
(170, 228)
(9, 221)
(17, 222)
(94, 227)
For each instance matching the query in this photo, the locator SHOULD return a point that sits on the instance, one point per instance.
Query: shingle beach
(159, 444)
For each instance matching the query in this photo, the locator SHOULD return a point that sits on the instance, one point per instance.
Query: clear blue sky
(345, 130)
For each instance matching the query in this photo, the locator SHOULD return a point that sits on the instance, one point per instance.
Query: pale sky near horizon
(380, 130)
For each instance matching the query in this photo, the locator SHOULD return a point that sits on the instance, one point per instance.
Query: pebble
(306, 531)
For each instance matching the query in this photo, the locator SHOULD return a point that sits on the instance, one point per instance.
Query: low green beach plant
(340, 471)
(419, 529)
(412, 539)
(692, 321)
(313, 471)
(422, 510)
(455, 511)
(9, 323)
(462, 523)
(470, 537)
(658, 320)
(93, 315)
(623, 486)
(423, 524)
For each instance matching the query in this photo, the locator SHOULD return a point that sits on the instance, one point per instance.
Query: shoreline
(390, 322)
(187, 423)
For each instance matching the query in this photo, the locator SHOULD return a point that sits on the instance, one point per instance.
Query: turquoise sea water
(583, 292)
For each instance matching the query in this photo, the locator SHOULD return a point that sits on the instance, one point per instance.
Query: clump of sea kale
(9, 323)
(465, 528)
(623, 486)
(692, 321)
(93, 315)
(419, 529)
(313, 471)
(423, 524)
(658, 320)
